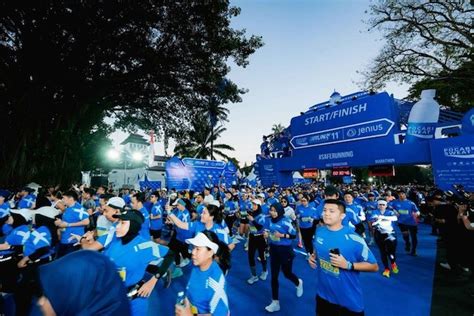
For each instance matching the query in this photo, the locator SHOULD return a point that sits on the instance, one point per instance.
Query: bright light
(137, 156)
(113, 154)
(371, 179)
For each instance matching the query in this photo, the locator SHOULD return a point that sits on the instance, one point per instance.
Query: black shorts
(326, 308)
(405, 227)
(244, 221)
(155, 233)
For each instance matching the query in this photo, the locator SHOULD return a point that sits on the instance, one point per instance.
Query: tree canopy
(65, 66)
(428, 44)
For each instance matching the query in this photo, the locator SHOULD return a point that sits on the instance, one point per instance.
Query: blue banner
(453, 162)
(195, 174)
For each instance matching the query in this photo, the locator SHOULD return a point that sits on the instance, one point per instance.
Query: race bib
(404, 212)
(273, 237)
(122, 273)
(327, 266)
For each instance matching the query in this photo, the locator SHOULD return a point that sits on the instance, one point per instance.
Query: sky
(312, 47)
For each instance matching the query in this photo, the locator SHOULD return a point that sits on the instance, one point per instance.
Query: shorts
(155, 233)
(244, 221)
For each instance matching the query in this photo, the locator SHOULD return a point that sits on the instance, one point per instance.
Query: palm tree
(277, 129)
(200, 141)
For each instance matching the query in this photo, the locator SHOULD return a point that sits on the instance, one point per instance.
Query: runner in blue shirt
(407, 220)
(370, 206)
(354, 214)
(156, 218)
(230, 210)
(137, 204)
(244, 207)
(206, 289)
(306, 216)
(74, 220)
(132, 255)
(28, 199)
(281, 233)
(340, 254)
(177, 242)
(271, 199)
(257, 242)
(382, 220)
(265, 206)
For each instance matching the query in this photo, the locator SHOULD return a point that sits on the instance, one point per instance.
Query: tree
(277, 129)
(67, 65)
(197, 142)
(426, 41)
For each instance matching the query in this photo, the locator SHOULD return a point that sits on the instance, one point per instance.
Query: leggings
(387, 247)
(257, 243)
(229, 221)
(307, 235)
(413, 230)
(178, 248)
(281, 257)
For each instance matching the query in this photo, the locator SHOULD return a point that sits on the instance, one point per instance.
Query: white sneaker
(445, 265)
(263, 275)
(273, 307)
(252, 280)
(184, 263)
(299, 288)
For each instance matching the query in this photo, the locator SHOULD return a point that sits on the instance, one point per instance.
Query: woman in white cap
(206, 289)
(382, 221)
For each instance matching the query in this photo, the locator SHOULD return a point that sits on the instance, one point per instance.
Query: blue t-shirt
(206, 291)
(39, 238)
(200, 208)
(16, 237)
(352, 216)
(145, 229)
(265, 209)
(370, 206)
(260, 218)
(340, 286)
(73, 214)
(27, 201)
(283, 226)
(185, 217)
(106, 239)
(230, 207)
(319, 210)
(305, 215)
(4, 210)
(156, 224)
(245, 207)
(407, 210)
(271, 200)
(221, 232)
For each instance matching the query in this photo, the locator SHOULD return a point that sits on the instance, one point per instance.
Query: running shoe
(167, 278)
(252, 280)
(299, 288)
(445, 265)
(386, 273)
(395, 268)
(263, 275)
(273, 307)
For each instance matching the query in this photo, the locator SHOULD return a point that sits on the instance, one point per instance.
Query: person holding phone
(340, 254)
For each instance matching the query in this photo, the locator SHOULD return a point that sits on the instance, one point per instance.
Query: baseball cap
(257, 201)
(215, 203)
(130, 215)
(261, 195)
(116, 202)
(179, 201)
(202, 241)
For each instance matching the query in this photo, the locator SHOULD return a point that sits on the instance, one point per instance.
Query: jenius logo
(465, 152)
(327, 266)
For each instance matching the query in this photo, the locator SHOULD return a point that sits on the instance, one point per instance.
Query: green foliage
(428, 43)
(67, 65)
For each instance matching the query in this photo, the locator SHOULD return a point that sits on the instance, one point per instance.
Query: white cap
(261, 195)
(116, 202)
(383, 202)
(200, 240)
(257, 201)
(215, 203)
(208, 199)
(164, 189)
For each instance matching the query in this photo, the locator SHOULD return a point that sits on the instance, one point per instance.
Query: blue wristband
(350, 266)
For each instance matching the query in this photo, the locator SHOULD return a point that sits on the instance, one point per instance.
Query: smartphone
(335, 251)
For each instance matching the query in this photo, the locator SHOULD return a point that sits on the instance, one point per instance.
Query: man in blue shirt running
(341, 255)
(407, 213)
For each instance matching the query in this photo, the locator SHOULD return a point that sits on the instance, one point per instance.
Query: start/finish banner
(195, 174)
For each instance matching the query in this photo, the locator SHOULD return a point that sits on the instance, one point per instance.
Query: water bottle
(180, 299)
(423, 118)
